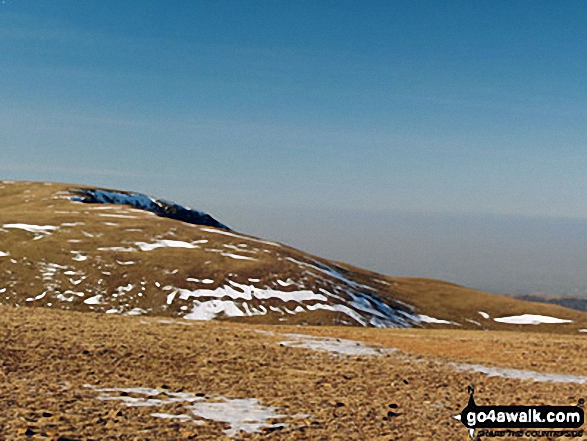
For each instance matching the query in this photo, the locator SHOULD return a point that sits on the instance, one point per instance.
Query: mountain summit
(120, 252)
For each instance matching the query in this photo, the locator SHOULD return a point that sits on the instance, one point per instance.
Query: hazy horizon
(441, 140)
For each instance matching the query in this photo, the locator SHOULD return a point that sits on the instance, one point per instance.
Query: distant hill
(119, 252)
(567, 302)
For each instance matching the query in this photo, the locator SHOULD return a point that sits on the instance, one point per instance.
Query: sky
(438, 139)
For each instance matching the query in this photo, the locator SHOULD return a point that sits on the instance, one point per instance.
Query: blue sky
(283, 119)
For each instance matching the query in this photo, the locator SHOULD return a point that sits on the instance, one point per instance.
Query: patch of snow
(238, 257)
(245, 415)
(48, 270)
(519, 374)
(288, 282)
(78, 256)
(181, 417)
(127, 262)
(241, 414)
(163, 243)
(137, 201)
(39, 297)
(123, 289)
(41, 230)
(4, 254)
(334, 345)
(120, 249)
(428, 319)
(337, 308)
(241, 248)
(210, 309)
(530, 319)
(72, 294)
(248, 292)
(77, 282)
(582, 330)
(103, 207)
(72, 273)
(254, 280)
(324, 269)
(136, 311)
(484, 315)
(95, 300)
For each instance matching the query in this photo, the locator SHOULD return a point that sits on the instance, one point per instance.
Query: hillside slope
(67, 247)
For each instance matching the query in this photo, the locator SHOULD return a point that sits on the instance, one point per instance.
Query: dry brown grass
(47, 357)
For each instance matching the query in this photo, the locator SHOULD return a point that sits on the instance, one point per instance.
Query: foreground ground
(76, 376)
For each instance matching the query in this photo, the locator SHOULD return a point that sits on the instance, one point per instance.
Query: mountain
(568, 302)
(119, 252)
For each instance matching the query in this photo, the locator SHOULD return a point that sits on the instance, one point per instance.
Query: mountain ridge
(61, 252)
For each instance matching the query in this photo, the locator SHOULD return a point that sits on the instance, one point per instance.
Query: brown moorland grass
(49, 357)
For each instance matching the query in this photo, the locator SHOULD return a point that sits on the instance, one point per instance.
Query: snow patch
(288, 282)
(238, 257)
(180, 417)
(338, 308)
(335, 345)
(166, 243)
(120, 249)
(78, 257)
(210, 309)
(530, 319)
(39, 297)
(519, 374)
(428, 319)
(95, 300)
(246, 414)
(248, 292)
(40, 230)
(241, 414)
